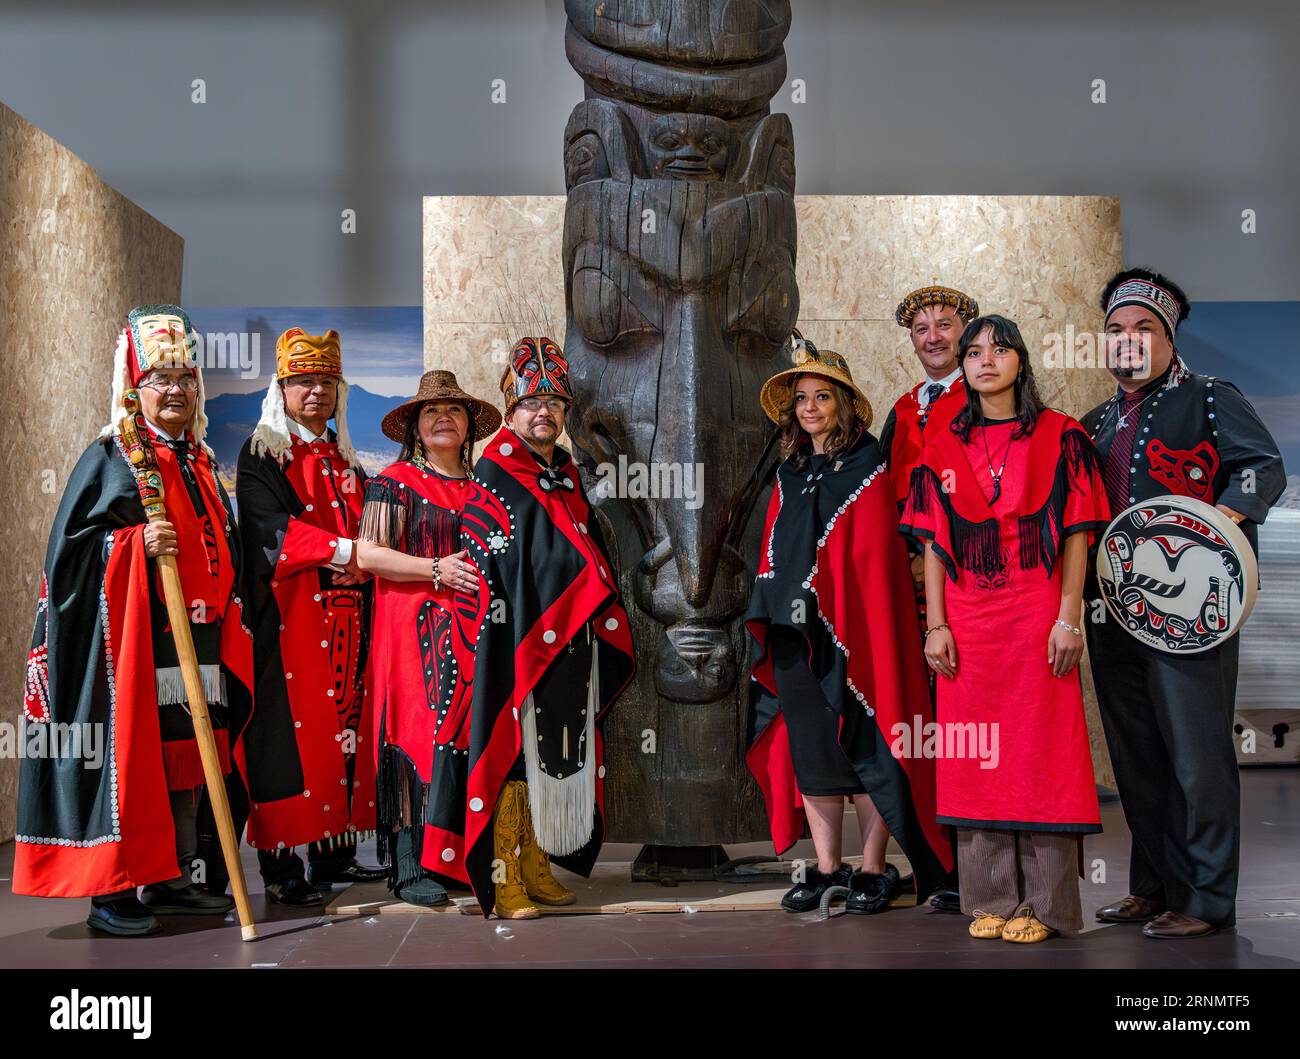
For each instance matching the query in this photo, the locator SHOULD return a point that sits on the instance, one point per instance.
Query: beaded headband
(1148, 295)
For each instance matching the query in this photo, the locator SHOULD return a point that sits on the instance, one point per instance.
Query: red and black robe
(845, 578)
(306, 755)
(102, 655)
(547, 578)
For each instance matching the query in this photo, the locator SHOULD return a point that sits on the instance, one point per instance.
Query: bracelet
(437, 575)
(936, 628)
(1067, 625)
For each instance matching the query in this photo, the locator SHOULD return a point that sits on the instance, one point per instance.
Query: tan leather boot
(542, 886)
(509, 824)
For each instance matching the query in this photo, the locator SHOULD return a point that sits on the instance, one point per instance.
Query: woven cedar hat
(809, 360)
(441, 386)
(966, 306)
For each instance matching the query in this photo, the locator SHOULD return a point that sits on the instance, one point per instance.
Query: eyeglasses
(159, 384)
(533, 404)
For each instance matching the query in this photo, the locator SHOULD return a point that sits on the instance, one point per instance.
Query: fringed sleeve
(961, 544)
(384, 512)
(1077, 503)
(1086, 508)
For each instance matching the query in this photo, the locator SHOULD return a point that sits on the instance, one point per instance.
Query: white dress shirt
(342, 550)
(922, 391)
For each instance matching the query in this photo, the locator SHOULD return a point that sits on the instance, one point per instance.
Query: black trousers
(1168, 722)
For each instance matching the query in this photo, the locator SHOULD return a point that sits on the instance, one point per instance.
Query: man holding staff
(106, 663)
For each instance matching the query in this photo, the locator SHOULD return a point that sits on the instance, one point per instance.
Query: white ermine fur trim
(563, 810)
(171, 685)
(271, 436)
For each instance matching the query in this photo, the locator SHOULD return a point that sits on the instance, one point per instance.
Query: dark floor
(36, 932)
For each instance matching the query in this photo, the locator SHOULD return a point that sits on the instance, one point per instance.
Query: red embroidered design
(36, 690)
(1186, 473)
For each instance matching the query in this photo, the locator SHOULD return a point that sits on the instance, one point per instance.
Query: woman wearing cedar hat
(1006, 500)
(837, 664)
(410, 541)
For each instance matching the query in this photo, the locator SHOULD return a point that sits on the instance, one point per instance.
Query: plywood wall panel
(492, 266)
(75, 255)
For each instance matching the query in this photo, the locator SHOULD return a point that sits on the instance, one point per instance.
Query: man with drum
(1167, 713)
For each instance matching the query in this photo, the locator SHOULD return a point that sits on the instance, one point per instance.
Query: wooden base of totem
(611, 891)
(670, 865)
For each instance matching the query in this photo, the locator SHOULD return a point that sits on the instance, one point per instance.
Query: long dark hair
(411, 436)
(797, 442)
(1029, 405)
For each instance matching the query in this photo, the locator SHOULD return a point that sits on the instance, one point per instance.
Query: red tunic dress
(1012, 744)
(421, 666)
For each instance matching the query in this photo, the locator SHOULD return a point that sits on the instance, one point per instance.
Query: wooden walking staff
(149, 480)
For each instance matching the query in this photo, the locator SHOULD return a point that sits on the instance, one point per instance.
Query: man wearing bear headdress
(305, 756)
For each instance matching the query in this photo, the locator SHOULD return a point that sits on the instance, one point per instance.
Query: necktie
(1119, 457)
(181, 447)
(932, 393)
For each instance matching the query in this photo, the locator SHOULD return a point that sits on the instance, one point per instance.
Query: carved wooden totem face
(679, 255)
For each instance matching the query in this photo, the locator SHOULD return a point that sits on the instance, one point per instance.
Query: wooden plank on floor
(611, 891)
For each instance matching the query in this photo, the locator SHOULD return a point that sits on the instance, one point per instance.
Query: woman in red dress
(410, 541)
(1007, 502)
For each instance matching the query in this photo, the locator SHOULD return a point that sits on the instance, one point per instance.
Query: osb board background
(492, 271)
(74, 257)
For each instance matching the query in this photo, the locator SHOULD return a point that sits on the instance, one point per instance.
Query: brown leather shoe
(1177, 925)
(1130, 909)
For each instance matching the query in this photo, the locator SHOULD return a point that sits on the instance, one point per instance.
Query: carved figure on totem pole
(680, 297)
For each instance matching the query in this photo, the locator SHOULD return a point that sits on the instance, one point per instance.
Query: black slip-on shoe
(807, 895)
(294, 891)
(946, 900)
(870, 892)
(190, 900)
(322, 875)
(425, 892)
(125, 918)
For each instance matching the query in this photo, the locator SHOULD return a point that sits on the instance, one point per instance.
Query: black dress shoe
(807, 895)
(189, 900)
(294, 891)
(1130, 909)
(870, 893)
(946, 900)
(1178, 925)
(352, 872)
(124, 917)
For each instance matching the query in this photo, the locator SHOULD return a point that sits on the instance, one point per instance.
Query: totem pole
(680, 297)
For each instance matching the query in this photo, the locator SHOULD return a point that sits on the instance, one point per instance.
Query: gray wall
(314, 108)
